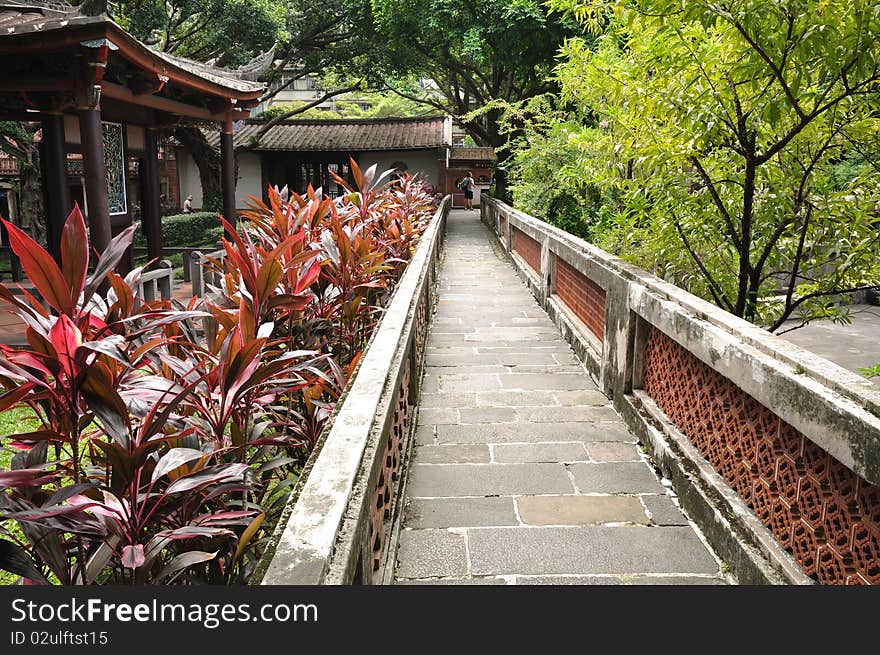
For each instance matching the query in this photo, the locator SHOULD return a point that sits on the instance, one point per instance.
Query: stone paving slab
(454, 581)
(461, 512)
(612, 451)
(663, 511)
(578, 414)
(522, 472)
(580, 510)
(615, 478)
(593, 549)
(525, 433)
(431, 554)
(617, 580)
(455, 454)
(573, 451)
(435, 415)
(449, 480)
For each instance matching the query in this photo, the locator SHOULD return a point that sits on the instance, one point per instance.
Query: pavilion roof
(28, 26)
(345, 135)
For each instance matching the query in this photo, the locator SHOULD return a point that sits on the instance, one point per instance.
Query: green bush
(186, 230)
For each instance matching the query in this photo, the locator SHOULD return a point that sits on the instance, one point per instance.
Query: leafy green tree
(476, 53)
(18, 140)
(301, 34)
(227, 32)
(549, 164)
(722, 127)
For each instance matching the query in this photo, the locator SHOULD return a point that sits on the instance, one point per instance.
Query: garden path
(522, 472)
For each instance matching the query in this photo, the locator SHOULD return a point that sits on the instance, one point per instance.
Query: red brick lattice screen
(386, 484)
(583, 296)
(527, 248)
(395, 440)
(824, 514)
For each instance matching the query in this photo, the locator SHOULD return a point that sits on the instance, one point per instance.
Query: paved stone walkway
(853, 346)
(522, 471)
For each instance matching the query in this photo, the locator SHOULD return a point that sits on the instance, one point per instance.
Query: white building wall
(250, 179)
(188, 174)
(417, 161)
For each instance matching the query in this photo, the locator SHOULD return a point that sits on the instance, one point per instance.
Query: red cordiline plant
(161, 457)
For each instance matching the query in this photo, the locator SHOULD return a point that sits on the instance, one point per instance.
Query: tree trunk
(208, 162)
(31, 214)
(496, 140)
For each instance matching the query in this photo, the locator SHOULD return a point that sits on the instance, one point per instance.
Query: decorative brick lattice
(583, 296)
(824, 514)
(386, 485)
(527, 248)
(395, 439)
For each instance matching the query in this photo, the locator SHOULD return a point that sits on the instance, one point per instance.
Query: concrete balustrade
(339, 524)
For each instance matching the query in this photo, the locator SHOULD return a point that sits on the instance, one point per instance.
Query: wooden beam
(227, 170)
(54, 166)
(118, 92)
(91, 138)
(30, 84)
(151, 219)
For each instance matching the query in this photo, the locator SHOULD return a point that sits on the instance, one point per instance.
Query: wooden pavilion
(99, 92)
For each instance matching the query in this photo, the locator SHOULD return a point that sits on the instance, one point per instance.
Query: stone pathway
(522, 472)
(852, 346)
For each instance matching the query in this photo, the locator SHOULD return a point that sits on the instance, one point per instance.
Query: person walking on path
(468, 185)
(188, 205)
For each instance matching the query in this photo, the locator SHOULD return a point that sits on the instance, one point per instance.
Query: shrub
(162, 458)
(183, 230)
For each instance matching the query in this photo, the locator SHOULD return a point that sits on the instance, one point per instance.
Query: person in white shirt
(468, 185)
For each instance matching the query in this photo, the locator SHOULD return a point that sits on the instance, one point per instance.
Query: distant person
(468, 185)
(188, 205)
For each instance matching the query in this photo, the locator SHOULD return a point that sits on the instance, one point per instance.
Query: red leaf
(133, 556)
(66, 339)
(25, 478)
(109, 259)
(41, 269)
(75, 252)
(308, 278)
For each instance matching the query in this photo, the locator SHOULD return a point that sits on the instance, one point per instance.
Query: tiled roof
(22, 17)
(344, 135)
(472, 154)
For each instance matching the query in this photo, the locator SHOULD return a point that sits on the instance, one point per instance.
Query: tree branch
(299, 110)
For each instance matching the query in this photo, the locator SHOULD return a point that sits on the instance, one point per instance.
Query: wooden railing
(8, 166)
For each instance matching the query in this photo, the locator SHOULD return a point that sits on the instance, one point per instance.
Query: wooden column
(227, 170)
(151, 220)
(57, 196)
(95, 176)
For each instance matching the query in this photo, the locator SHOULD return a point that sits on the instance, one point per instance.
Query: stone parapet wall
(338, 528)
(773, 450)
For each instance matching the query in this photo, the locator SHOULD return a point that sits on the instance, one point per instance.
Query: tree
(723, 123)
(305, 34)
(17, 140)
(477, 54)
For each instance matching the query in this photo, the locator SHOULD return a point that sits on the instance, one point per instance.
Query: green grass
(13, 421)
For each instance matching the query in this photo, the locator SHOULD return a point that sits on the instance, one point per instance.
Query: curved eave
(85, 28)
